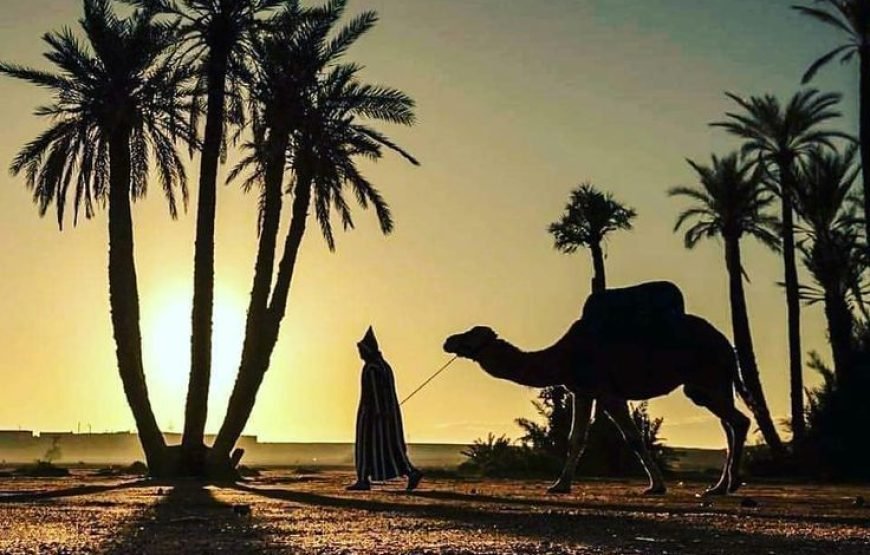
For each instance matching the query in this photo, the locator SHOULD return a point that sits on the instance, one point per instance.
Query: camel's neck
(534, 369)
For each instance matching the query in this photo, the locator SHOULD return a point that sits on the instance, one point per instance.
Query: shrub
(499, 457)
(838, 417)
(541, 451)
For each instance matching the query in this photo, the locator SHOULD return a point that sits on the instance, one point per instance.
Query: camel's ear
(484, 332)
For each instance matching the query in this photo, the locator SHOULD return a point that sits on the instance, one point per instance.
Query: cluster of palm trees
(268, 73)
(787, 154)
(781, 144)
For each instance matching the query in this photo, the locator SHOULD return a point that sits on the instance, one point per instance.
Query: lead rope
(432, 377)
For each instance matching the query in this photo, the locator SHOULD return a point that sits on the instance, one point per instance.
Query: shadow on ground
(303, 515)
(730, 510)
(93, 489)
(188, 518)
(622, 528)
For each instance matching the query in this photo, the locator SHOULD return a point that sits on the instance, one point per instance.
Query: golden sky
(519, 101)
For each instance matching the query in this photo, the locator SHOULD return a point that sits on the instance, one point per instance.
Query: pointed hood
(368, 345)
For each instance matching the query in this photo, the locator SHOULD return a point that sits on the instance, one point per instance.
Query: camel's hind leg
(582, 415)
(736, 426)
(618, 412)
(740, 426)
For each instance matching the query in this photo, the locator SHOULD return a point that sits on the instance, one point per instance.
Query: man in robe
(380, 453)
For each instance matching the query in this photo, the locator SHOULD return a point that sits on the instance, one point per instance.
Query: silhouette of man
(380, 453)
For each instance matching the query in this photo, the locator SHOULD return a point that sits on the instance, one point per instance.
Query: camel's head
(471, 342)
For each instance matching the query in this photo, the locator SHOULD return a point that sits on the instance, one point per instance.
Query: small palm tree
(731, 203)
(589, 217)
(779, 137)
(832, 249)
(852, 18)
(308, 114)
(118, 106)
(217, 40)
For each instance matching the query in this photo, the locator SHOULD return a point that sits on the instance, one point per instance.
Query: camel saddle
(648, 311)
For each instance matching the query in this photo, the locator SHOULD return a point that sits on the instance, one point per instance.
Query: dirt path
(284, 513)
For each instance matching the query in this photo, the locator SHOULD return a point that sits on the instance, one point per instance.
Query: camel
(608, 370)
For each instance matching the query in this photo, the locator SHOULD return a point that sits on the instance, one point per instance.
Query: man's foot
(719, 489)
(414, 480)
(362, 485)
(561, 486)
(655, 490)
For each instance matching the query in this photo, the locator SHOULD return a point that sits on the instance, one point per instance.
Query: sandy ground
(291, 513)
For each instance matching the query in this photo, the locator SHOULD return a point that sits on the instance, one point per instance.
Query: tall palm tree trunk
(196, 408)
(793, 309)
(840, 327)
(264, 265)
(599, 279)
(745, 351)
(255, 362)
(301, 203)
(124, 302)
(864, 131)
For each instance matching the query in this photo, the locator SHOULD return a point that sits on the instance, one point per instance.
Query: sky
(518, 102)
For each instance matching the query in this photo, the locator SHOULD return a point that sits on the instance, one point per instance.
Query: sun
(166, 343)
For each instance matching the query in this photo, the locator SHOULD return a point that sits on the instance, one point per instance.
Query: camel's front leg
(617, 410)
(582, 415)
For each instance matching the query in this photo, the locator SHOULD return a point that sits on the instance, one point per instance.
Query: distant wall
(122, 448)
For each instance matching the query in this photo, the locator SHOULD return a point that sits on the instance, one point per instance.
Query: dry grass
(293, 513)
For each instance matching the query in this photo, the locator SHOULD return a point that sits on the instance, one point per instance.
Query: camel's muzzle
(453, 346)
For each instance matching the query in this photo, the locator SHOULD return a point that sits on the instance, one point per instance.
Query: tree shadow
(188, 519)
(27, 496)
(637, 508)
(617, 527)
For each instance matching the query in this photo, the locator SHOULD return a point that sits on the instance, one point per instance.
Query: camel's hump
(641, 303)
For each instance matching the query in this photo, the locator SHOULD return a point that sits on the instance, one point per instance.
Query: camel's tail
(739, 384)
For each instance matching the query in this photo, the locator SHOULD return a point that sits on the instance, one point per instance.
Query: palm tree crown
(781, 135)
(216, 31)
(589, 216)
(730, 202)
(824, 191)
(123, 83)
(852, 17)
(832, 250)
(332, 138)
(323, 110)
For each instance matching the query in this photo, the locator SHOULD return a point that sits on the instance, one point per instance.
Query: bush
(137, 468)
(499, 457)
(542, 449)
(42, 469)
(608, 455)
(606, 452)
(838, 417)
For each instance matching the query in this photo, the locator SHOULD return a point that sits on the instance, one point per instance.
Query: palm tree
(852, 18)
(117, 106)
(307, 113)
(217, 36)
(731, 203)
(779, 138)
(832, 250)
(589, 216)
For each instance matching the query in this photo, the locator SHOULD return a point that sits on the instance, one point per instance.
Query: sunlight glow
(166, 341)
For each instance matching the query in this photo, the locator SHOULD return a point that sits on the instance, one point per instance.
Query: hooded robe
(380, 452)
